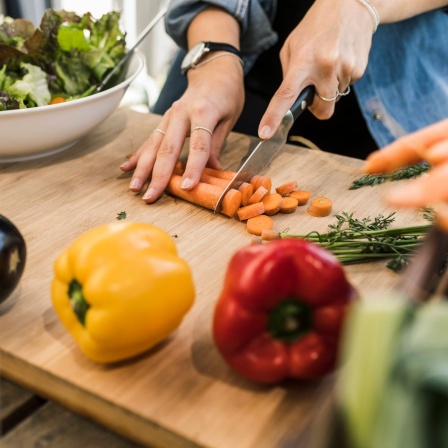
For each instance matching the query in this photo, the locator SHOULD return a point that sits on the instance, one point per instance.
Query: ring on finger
(197, 128)
(160, 131)
(336, 96)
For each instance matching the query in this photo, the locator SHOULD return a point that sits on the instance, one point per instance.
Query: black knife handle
(303, 101)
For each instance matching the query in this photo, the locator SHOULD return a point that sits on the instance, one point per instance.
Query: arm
(213, 100)
(329, 49)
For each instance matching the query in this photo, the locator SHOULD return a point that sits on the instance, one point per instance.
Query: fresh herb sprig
(400, 174)
(355, 240)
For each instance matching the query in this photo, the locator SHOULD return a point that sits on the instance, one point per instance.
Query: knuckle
(200, 107)
(286, 92)
(167, 150)
(198, 146)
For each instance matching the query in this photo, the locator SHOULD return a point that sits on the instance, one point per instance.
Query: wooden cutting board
(181, 393)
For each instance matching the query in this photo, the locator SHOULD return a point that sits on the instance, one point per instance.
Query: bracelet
(223, 53)
(373, 12)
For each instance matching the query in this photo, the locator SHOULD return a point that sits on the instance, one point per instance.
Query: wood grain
(181, 393)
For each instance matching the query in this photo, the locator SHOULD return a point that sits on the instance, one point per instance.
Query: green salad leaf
(71, 54)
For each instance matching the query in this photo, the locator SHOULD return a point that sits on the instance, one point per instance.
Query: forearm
(216, 25)
(390, 11)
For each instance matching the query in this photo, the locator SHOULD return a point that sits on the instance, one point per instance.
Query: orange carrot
(263, 181)
(221, 174)
(179, 169)
(254, 181)
(269, 235)
(272, 203)
(231, 202)
(258, 195)
(57, 100)
(259, 223)
(320, 207)
(247, 190)
(285, 189)
(250, 211)
(302, 196)
(289, 205)
(205, 195)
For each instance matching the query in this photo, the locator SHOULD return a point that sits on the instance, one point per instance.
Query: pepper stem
(77, 301)
(290, 320)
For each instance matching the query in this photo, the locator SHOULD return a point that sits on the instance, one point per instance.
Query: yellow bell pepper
(121, 288)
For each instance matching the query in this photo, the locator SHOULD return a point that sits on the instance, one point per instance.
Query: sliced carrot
(257, 224)
(205, 195)
(272, 203)
(285, 189)
(320, 207)
(270, 234)
(179, 169)
(258, 195)
(289, 205)
(265, 182)
(231, 202)
(247, 190)
(302, 196)
(254, 181)
(250, 211)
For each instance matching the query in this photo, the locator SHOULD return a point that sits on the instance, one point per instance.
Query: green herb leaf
(121, 215)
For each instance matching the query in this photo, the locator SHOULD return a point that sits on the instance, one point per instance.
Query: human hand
(429, 144)
(206, 113)
(328, 49)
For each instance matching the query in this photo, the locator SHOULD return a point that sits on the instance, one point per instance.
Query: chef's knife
(266, 150)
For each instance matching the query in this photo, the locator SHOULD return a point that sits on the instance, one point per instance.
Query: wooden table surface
(180, 394)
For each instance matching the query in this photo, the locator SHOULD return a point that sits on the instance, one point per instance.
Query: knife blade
(266, 150)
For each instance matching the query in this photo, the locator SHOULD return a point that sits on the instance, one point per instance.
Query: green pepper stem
(77, 301)
(289, 320)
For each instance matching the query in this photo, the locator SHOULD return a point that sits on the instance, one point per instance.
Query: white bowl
(27, 134)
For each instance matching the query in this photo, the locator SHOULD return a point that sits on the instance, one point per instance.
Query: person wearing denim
(397, 77)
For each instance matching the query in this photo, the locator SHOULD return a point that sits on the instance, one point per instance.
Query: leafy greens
(67, 56)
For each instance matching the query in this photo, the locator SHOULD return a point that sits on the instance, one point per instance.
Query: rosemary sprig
(355, 240)
(402, 173)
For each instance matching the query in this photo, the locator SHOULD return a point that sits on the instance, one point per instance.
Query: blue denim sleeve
(254, 16)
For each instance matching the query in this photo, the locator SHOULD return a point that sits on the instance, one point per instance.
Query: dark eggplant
(12, 257)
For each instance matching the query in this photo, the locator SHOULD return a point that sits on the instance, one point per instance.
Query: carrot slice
(255, 240)
(205, 195)
(258, 195)
(265, 182)
(270, 234)
(250, 211)
(272, 203)
(302, 196)
(320, 207)
(289, 205)
(285, 189)
(58, 99)
(254, 181)
(247, 190)
(259, 223)
(231, 202)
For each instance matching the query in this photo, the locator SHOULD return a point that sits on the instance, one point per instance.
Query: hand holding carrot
(429, 144)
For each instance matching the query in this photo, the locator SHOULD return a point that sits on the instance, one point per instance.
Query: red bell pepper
(281, 310)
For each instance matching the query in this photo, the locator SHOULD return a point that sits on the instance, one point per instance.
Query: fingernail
(149, 193)
(265, 132)
(185, 183)
(135, 184)
(124, 164)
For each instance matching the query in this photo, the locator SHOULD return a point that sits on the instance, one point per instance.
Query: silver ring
(197, 128)
(336, 96)
(159, 131)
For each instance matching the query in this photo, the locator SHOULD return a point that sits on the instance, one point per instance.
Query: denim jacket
(405, 85)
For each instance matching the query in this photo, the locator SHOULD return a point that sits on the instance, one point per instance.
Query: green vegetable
(402, 173)
(72, 53)
(393, 387)
(121, 215)
(356, 241)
